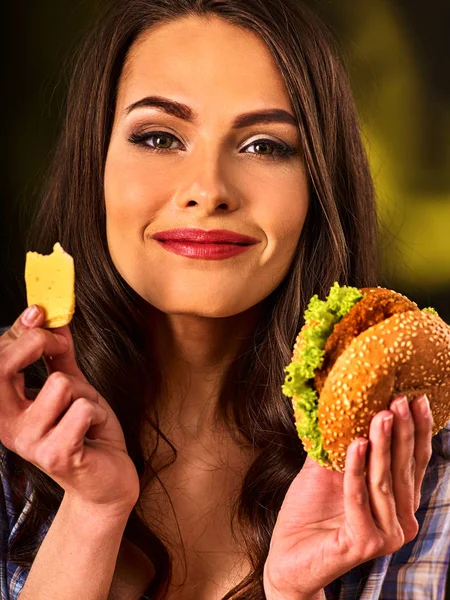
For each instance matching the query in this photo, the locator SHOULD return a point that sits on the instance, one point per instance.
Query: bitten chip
(50, 283)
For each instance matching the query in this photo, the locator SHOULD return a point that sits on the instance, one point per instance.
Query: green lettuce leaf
(299, 381)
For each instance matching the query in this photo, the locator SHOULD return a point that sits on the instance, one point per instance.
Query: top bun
(407, 353)
(377, 305)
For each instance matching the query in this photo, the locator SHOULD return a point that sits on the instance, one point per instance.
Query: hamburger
(357, 351)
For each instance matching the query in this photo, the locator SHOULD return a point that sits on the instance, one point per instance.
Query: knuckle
(383, 484)
(37, 336)
(59, 380)
(373, 547)
(50, 459)
(407, 436)
(407, 473)
(83, 406)
(410, 529)
(396, 540)
(359, 497)
(12, 333)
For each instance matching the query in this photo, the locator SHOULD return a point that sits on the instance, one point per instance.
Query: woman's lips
(200, 243)
(205, 251)
(204, 236)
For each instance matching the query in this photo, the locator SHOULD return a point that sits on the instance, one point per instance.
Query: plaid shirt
(417, 571)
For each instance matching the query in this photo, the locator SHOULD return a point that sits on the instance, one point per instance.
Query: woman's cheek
(284, 228)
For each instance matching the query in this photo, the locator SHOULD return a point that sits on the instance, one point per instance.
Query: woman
(160, 457)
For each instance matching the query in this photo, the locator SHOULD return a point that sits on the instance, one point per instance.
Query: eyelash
(283, 150)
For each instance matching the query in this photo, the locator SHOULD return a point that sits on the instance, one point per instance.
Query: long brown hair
(338, 243)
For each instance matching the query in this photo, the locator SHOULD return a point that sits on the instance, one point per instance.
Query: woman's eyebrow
(182, 111)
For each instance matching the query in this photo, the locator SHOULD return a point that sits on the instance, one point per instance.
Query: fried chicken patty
(376, 306)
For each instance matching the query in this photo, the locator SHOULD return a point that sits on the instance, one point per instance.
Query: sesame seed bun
(408, 353)
(383, 347)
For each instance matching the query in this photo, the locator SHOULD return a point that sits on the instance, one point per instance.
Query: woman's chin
(200, 307)
(202, 311)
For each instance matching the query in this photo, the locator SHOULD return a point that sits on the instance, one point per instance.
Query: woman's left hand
(330, 522)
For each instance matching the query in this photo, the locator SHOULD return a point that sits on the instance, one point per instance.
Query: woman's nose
(207, 190)
(207, 205)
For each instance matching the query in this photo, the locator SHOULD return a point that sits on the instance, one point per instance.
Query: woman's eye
(155, 140)
(271, 149)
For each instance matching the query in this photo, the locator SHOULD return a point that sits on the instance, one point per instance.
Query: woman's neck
(194, 354)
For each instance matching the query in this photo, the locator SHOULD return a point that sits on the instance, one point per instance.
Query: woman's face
(203, 166)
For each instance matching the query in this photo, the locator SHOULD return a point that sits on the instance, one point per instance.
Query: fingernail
(402, 407)
(30, 315)
(424, 405)
(398, 398)
(387, 423)
(362, 447)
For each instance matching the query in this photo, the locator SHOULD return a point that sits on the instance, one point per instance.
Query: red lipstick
(199, 243)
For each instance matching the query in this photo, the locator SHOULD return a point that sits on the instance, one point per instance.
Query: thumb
(65, 362)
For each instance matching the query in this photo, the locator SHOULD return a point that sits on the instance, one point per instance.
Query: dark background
(397, 56)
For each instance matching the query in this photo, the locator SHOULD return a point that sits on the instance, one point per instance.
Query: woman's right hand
(68, 431)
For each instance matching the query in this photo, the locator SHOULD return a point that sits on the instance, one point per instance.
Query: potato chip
(50, 283)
